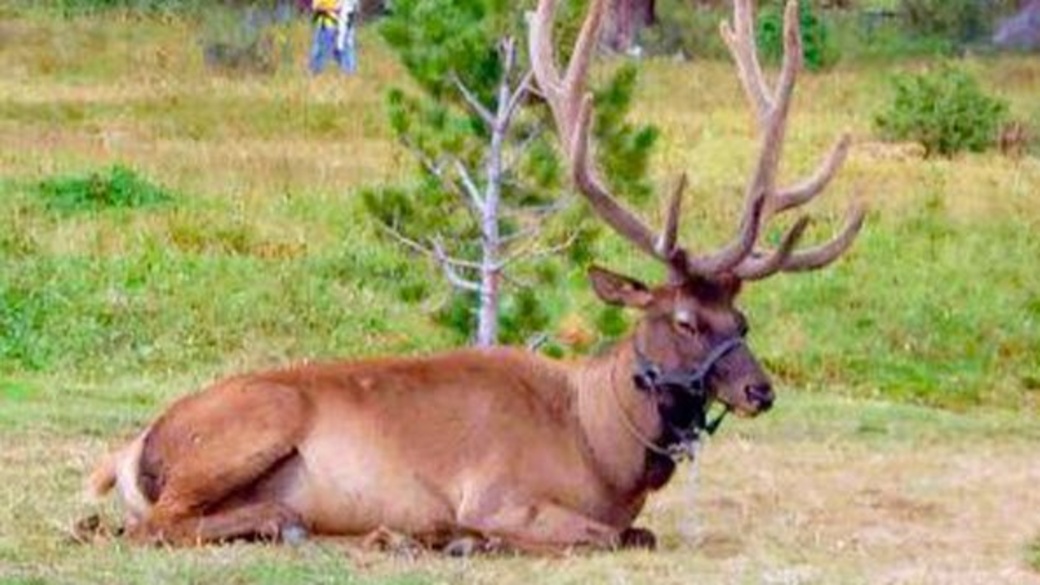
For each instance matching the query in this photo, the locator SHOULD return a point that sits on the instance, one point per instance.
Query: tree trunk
(490, 267)
(624, 21)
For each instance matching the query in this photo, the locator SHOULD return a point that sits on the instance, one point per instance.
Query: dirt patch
(888, 513)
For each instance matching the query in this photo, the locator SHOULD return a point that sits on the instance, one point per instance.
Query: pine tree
(489, 199)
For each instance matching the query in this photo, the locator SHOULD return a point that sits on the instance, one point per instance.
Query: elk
(496, 444)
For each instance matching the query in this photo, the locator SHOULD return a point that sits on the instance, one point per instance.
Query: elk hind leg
(266, 521)
(211, 465)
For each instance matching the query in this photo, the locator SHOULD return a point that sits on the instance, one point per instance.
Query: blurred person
(335, 23)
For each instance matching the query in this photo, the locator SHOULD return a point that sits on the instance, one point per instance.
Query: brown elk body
(499, 443)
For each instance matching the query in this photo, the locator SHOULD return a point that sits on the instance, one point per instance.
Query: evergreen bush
(945, 110)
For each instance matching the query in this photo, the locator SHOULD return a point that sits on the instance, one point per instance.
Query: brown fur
(502, 443)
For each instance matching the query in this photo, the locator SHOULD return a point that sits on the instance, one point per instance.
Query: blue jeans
(325, 45)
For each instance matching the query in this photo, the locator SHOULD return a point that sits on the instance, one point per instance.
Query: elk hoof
(386, 540)
(462, 547)
(638, 538)
(91, 528)
(294, 534)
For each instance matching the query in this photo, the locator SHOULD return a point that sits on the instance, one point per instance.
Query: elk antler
(772, 107)
(571, 107)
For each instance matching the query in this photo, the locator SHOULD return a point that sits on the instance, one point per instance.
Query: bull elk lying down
(501, 444)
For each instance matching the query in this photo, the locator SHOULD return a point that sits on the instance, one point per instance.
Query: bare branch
(469, 195)
(431, 252)
(522, 234)
(521, 149)
(530, 252)
(472, 100)
(448, 266)
(427, 163)
(469, 186)
(511, 279)
(518, 94)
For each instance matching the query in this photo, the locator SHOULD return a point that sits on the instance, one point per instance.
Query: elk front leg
(542, 527)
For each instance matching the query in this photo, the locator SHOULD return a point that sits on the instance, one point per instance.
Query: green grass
(1033, 554)
(262, 256)
(117, 187)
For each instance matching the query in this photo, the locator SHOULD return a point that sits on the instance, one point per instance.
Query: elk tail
(121, 470)
(102, 479)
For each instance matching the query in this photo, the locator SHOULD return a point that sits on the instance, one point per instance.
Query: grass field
(903, 449)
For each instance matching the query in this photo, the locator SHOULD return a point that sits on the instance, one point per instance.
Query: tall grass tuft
(117, 187)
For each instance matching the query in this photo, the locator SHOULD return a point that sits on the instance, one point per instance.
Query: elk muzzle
(760, 395)
(741, 384)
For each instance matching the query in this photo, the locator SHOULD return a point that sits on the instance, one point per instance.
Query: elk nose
(761, 395)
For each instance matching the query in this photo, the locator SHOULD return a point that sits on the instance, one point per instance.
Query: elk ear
(615, 289)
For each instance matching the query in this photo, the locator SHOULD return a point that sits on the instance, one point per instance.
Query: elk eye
(688, 324)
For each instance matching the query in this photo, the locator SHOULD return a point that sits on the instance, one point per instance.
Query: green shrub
(115, 187)
(818, 50)
(945, 110)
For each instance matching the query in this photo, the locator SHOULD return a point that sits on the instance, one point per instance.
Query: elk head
(691, 334)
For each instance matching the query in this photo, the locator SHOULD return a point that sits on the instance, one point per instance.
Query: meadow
(902, 449)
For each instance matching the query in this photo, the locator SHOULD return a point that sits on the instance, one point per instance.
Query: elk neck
(617, 419)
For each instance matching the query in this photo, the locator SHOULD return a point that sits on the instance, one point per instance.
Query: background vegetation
(163, 223)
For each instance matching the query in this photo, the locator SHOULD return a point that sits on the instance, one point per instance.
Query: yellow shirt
(325, 12)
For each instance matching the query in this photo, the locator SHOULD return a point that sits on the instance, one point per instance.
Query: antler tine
(772, 107)
(772, 116)
(572, 112)
(761, 266)
(543, 59)
(619, 218)
(803, 192)
(738, 37)
(824, 254)
(564, 94)
(666, 244)
(727, 258)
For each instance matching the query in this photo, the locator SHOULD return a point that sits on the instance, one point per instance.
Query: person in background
(334, 34)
